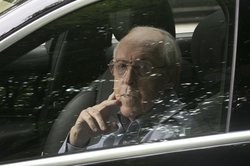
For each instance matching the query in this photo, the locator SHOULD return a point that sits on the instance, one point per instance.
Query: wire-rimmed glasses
(142, 68)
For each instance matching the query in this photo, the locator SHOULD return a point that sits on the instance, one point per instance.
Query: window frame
(139, 151)
(129, 151)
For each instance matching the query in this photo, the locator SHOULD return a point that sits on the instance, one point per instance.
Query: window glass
(25, 81)
(50, 76)
(240, 109)
(203, 88)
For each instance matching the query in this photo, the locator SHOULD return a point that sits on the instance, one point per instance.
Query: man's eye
(144, 67)
(121, 65)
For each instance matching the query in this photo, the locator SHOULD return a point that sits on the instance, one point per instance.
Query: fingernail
(95, 129)
(103, 127)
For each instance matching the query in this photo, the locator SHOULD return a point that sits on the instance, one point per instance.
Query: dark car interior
(72, 58)
(203, 71)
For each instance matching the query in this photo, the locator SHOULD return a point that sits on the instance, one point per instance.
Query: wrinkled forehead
(144, 45)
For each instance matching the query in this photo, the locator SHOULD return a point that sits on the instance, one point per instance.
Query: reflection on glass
(51, 76)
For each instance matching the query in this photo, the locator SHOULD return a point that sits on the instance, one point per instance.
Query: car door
(57, 55)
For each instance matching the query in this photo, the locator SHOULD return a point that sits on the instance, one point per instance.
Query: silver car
(54, 56)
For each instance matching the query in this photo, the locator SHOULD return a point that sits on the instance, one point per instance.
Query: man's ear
(173, 77)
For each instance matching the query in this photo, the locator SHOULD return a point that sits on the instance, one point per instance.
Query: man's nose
(130, 76)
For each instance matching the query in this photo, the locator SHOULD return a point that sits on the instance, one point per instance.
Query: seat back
(123, 18)
(208, 47)
(209, 60)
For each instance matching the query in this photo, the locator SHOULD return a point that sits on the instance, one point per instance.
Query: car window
(240, 105)
(51, 75)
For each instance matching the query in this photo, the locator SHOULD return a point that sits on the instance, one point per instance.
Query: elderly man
(146, 66)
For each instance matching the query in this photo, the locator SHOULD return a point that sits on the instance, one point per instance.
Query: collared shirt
(165, 121)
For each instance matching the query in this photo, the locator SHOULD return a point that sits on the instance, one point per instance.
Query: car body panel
(144, 150)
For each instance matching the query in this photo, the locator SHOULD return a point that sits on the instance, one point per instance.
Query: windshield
(7, 4)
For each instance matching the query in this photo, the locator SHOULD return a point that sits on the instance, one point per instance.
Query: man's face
(137, 94)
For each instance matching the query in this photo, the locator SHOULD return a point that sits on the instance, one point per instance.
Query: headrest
(155, 13)
(208, 47)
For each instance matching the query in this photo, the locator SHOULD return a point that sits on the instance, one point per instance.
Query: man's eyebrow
(147, 57)
(144, 58)
(121, 59)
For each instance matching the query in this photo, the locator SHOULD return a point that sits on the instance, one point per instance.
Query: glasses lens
(119, 67)
(143, 69)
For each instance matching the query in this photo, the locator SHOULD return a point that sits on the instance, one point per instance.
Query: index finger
(112, 96)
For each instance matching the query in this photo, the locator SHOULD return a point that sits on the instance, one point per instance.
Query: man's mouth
(126, 95)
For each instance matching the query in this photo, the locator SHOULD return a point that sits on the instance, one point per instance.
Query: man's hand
(92, 122)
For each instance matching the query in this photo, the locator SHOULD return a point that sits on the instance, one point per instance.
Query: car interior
(203, 71)
(75, 54)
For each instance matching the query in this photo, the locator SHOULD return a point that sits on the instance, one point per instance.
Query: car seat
(139, 13)
(209, 59)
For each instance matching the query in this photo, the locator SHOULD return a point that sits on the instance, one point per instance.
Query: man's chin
(131, 112)
(127, 111)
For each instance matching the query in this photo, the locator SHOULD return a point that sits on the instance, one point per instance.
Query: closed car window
(117, 73)
(240, 106)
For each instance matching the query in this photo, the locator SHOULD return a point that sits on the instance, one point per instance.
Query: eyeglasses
(141, 68)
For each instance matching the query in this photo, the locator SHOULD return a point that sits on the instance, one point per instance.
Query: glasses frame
(130, 63)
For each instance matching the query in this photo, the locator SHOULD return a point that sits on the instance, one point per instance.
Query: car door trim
(147, 149)
(230, 103)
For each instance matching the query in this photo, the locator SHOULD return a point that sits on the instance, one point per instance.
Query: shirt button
(124, 142)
